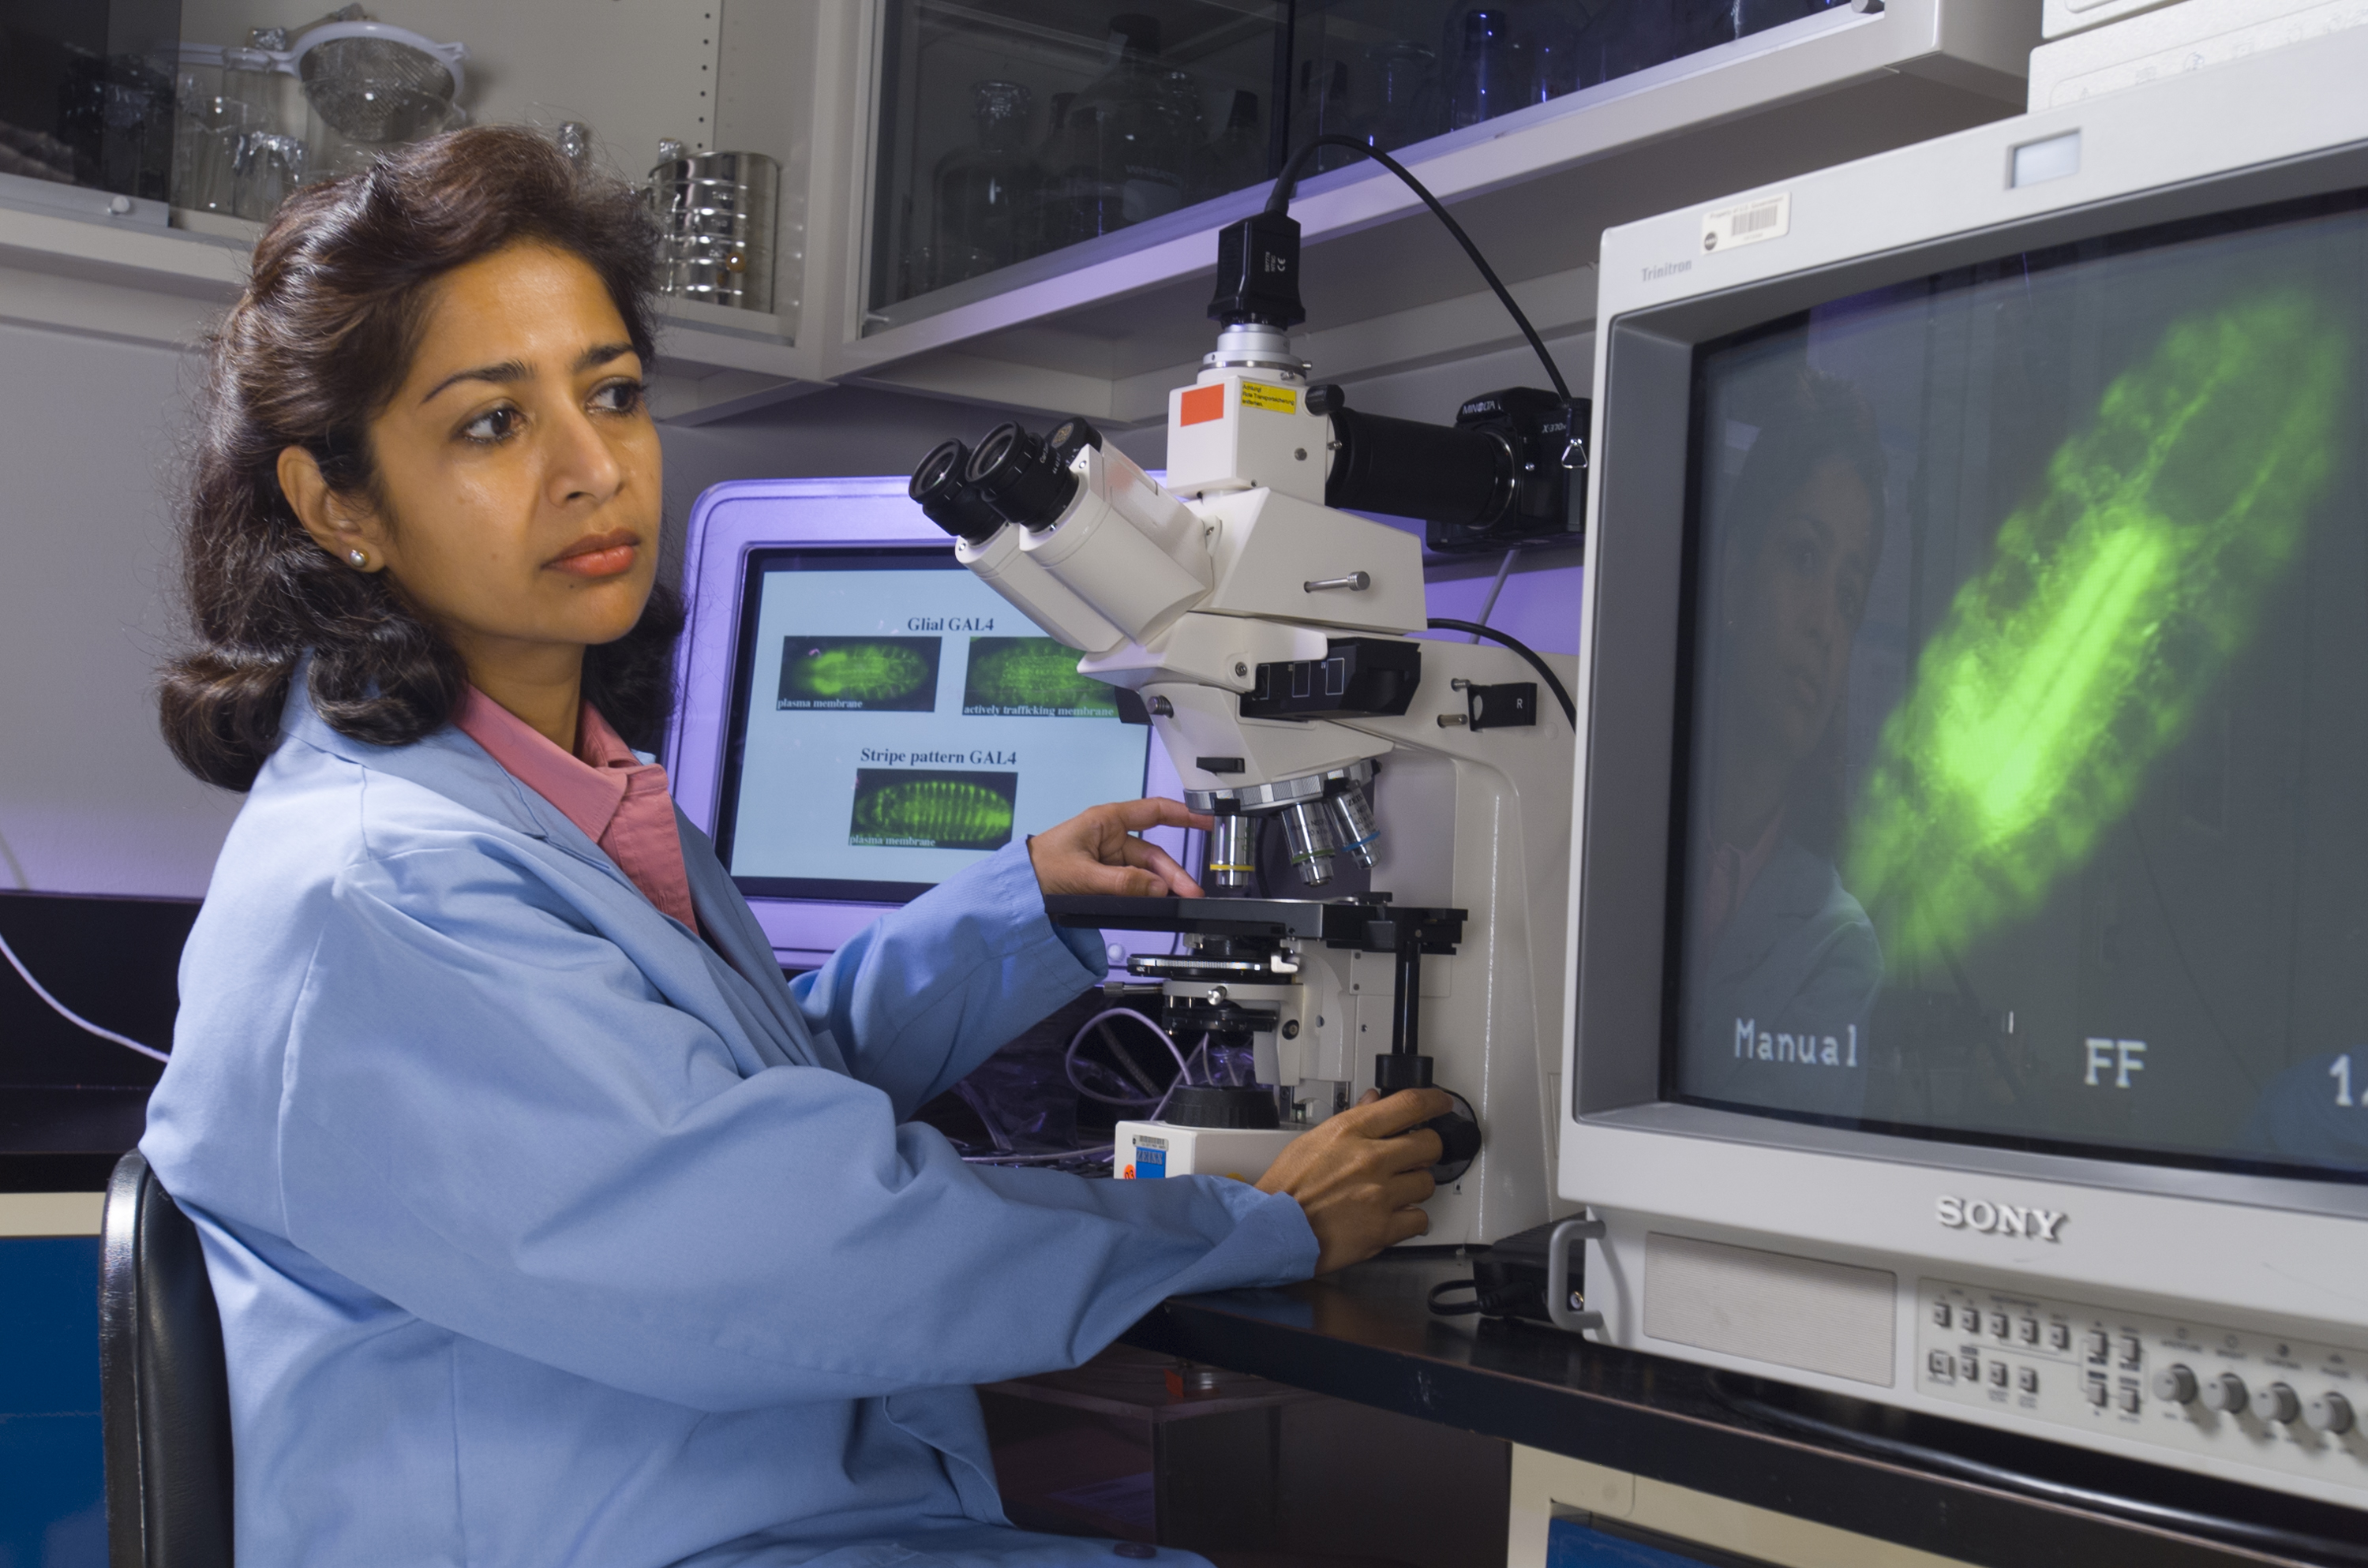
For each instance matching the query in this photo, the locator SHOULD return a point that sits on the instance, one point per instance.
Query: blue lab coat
(544, 1232)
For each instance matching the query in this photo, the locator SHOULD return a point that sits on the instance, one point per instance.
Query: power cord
(69, 1015)
(1569, 708)
(1286, 184)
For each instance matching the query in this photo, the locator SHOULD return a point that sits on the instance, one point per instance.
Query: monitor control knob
(2278, 1404)
(2225, 1392)
(2327, 1413)
(2175, 1383)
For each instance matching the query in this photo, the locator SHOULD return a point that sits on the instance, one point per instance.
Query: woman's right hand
(1359, 1175)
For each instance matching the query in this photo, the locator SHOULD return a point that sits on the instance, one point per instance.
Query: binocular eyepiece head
(1022, 477)
(942, 489)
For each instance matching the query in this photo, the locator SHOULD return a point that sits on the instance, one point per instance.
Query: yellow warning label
(1274, 400)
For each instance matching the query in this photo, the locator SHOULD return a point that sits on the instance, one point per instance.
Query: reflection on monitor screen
(2026, 723)
(894, 720)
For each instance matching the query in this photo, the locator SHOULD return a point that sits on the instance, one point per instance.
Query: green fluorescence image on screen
(871, 674)
(1032, 677)
(921, 809)
(2064, 673)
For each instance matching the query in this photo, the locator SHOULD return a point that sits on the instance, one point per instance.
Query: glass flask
(1141, 155)
(985, 194)
(1238, 158)
(1491, 72)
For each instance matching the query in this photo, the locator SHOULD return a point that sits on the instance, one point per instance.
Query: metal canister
(715, 215)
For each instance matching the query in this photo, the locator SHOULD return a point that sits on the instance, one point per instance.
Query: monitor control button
(2029, 1327)
(1941, 1367)
(1969, 1367)
(2276, 1402)
(2098, 1392)
(2130, 1399)
(2100, 1345)
(1998, 1373)
(2059, 1335)
(2132, 1350)
(1941, 1316)
(2225, 1392)
(2327, 1413)
(2175, 1383)
(2028, 1380)
(1998, 1325)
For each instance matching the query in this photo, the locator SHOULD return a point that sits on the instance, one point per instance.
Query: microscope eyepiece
(941, 488)
(1020, 477)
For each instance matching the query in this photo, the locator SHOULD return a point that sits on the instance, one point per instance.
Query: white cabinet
(1106, 326)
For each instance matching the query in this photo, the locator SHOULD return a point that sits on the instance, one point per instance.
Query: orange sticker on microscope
(1201, 404)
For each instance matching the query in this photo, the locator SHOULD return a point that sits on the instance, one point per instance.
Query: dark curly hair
(312, 352)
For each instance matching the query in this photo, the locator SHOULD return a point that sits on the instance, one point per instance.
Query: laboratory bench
(1582, 1414)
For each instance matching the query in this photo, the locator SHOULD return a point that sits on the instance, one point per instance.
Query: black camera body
(1511, 468)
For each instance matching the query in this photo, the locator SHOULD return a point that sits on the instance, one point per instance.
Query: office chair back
(164, 1392)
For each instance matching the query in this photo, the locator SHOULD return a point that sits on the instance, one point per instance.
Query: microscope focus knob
(1326, 397)
(2276, 1404)
(2327, 1413)
(2225, 1392)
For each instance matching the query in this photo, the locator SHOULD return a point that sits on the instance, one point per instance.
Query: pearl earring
(358, 558)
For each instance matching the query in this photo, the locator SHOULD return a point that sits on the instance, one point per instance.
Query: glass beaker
(1140, 152)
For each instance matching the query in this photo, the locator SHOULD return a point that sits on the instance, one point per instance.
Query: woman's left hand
(1097, 852)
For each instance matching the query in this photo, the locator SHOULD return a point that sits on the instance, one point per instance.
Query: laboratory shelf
(1107, 326)
(139, 283)
(1366, 1333)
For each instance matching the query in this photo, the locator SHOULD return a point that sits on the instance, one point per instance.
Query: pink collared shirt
(617, 800)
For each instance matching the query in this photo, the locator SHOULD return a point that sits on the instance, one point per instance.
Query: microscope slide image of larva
(908, 808)
(1030, 677)
(864, 675)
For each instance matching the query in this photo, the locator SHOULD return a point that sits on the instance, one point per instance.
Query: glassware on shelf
(1406, 110)
(1626, 36)
(1179, 95)
(1140, 145)
(1491, 71)
(1326, 108)
(270, 165)
(1238, 158)
(1554, 45)
(209, 140)
(986, 194)
(714, 213)
(1078, 201)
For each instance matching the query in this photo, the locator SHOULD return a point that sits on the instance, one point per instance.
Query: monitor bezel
(1636, 641)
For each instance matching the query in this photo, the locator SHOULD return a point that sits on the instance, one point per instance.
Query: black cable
(1899, 1450)
(1569, 708)
(1287, 183)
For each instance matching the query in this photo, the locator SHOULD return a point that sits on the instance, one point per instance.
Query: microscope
(1388, 873)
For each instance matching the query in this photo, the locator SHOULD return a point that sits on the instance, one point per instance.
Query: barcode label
(1748, 222)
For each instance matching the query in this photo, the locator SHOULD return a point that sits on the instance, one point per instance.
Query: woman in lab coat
(548, 1224)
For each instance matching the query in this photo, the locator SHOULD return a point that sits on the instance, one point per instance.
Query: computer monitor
(1968, 977)
(861, 718)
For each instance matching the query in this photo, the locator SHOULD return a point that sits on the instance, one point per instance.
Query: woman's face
(517, 464)
(1797, 604)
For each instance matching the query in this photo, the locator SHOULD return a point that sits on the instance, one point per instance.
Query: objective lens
(1232, 852)
(1309, 829)
(947, 499)
(1352, 820)
(1019, 477)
